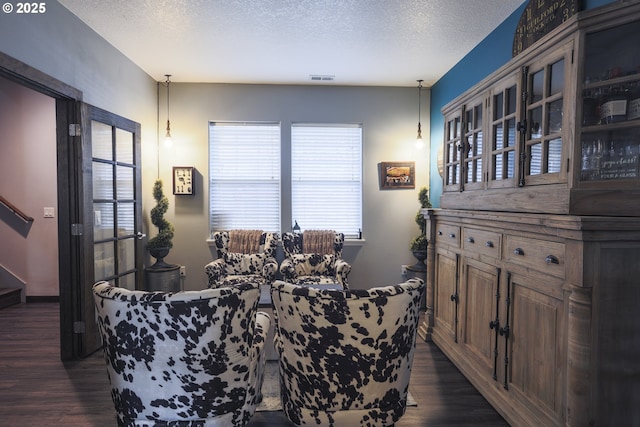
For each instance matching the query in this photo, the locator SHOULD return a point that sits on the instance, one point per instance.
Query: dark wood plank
(37, 388)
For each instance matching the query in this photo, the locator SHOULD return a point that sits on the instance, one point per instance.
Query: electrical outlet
(183, 270)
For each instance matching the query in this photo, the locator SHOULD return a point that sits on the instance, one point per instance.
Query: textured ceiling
(359, 42)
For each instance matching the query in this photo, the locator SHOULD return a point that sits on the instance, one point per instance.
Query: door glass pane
(126, 219)
(535, 118)
(511, 100)
(511, 163)
(498, 106)
(537, 87)
(555, 155)
(478, 173)
(498, 143)
(101, 142)
(477, 147)
(554, 116)
(125, 185)
(556, 81)
(103, 221)
(102, 181)
(497, 167)
(124, 146)
(128, 281)
(103, 260)
(535, 156)
(511, 133)
(126, 255)
(453, 173)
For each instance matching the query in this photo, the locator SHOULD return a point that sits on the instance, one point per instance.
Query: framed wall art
(183, 180)
(396, 175)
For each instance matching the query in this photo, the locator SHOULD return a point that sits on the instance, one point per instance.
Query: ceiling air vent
(322, 78)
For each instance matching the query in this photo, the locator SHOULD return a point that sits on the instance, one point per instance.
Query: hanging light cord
(168, 82)
(419, 91)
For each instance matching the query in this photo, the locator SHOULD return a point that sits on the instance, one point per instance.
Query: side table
(408, 272)
(165, 279)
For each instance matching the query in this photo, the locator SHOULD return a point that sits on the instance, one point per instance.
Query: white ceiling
(359, 42)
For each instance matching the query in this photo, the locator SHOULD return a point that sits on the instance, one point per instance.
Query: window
(244, 176)
(326, 177)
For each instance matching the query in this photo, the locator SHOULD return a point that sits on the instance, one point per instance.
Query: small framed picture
(396, 175)
(183, 180)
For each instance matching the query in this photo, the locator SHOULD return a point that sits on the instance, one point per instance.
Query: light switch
(49, 213)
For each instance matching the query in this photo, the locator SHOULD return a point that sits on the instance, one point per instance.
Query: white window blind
(326, 177)
(244, 176)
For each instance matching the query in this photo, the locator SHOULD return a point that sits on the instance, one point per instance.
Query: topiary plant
(165, 228)
(419, 243)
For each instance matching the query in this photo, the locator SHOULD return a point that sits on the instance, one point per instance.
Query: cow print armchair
(345, 357)
(243, 261)
(193, 358)
(315, 258)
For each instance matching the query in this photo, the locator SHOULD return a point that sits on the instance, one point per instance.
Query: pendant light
(419, 141)
(168, 141)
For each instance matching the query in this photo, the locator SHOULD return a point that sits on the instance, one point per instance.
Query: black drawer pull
(439, 232)
(489, 244)
(552, 259)
(518, 251)
(470, 240)
(452, 235)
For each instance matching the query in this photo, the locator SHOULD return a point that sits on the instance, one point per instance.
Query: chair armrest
(258, 353)
(287, 268)
(270, 269)
(215, 271)
(343, 269)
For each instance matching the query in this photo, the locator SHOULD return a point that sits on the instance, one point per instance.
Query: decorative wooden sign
(538, 18)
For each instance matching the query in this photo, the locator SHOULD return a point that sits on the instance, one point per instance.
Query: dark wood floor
(37, 389)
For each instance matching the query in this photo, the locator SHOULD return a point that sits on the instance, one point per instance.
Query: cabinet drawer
(543, 255)
(448, 235)
(482, 242)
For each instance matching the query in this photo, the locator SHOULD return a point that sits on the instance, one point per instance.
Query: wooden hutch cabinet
(533, 286)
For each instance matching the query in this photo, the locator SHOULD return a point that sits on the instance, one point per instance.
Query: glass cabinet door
(610, 138)
(452, 143)
(502, 152)
(543, 140)
(472, 147)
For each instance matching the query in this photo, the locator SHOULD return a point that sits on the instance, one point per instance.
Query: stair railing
(17, 212)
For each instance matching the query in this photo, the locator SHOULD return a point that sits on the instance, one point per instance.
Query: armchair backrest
(293, 243)
(353, 360)
(179, 356)
(268, 242)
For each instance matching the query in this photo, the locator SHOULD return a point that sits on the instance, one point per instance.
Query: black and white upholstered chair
(193, 358)
(233, 266)
(345, 357)
(318, 265)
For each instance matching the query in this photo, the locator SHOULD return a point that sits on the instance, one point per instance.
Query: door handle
(140, 235)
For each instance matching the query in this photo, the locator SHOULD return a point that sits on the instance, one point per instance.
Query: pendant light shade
(419, 141)
(168, 141)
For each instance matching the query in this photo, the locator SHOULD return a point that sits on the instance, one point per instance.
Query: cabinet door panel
(535, 349)
(445, 310)
(478, 311)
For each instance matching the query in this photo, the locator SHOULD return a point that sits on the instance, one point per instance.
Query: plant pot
(159, 254)
(421, 256)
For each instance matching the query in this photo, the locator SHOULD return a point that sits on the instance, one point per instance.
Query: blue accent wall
(489, 55)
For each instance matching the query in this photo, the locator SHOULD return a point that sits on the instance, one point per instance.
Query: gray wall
(60, 45)
(389, 119)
